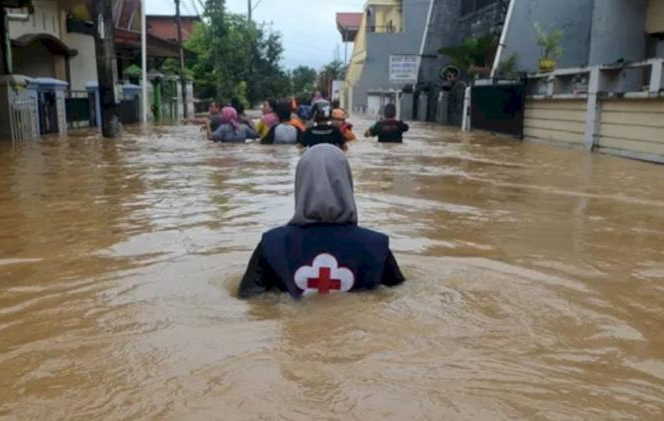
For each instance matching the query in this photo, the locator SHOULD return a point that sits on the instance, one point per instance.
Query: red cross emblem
(324, 276)
(324, 283)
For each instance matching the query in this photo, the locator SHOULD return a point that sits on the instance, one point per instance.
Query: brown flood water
(536, 284)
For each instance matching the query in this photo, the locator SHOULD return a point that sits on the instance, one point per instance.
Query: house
(165, 26)
(606, 92)
(386, 54)
(397, 50)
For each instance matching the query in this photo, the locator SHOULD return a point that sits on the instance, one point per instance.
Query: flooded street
(535, 284)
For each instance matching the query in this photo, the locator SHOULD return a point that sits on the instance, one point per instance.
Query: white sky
(309, 29)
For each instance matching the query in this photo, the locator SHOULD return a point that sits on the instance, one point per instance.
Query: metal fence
(22, 117)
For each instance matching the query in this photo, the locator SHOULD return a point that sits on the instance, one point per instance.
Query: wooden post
(107, 68)
(183, 80)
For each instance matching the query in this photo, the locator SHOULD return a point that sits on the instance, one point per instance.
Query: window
(471, 6)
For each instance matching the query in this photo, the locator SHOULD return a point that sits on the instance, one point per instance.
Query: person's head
(283, 110)
(322, 113)
(390, 111)
(269, 106)
(214, 108)
(229, 116)
(336, 104)
(324, 188)
(338, 117)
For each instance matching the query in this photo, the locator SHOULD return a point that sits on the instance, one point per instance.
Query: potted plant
(549, 42)
(474, 55)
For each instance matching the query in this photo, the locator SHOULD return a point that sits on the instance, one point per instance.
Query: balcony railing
(382, 29)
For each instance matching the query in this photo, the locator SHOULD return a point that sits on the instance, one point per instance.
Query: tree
(236, 58)
(335, 70)
(303, 80)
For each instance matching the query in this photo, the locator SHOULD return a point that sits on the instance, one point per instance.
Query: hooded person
(232, 130)
(322, 250)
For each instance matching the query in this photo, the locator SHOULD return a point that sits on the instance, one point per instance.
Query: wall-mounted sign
(403, 69)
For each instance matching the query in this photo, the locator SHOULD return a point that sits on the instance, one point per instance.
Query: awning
(53, 44)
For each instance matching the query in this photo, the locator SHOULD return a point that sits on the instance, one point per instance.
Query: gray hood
(324, 188)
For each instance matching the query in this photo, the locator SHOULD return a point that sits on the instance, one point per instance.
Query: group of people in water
(322, 250)
(305, 122)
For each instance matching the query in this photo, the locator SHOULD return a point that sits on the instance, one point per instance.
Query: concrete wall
(627, 127)
(555, 121)
(379, 47)
(618, 31)
(574, 17)
(43, 20)
(633, 128)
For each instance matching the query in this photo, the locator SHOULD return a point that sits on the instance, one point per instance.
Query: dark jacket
(320, 258)
(323, 133)
(389, 130)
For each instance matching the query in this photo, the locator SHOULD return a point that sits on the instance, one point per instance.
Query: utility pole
(250, 10)
(5, 62)
(107, 68)
(183, 78)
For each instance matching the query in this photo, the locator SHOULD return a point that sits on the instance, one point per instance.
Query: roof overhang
(53, 44)
(349, 25)
(157, 47)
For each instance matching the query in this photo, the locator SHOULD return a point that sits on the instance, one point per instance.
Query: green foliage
(549, 41)
(508, 68)
(133, 72)
(335, 70)
(472, 53)
(303, 80)
(235, 58)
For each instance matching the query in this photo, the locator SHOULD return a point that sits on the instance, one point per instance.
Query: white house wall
(82, 67)
(43, 21)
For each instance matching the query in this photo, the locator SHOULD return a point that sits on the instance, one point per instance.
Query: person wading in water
(389, 129)
(323, 131)
(322, 250)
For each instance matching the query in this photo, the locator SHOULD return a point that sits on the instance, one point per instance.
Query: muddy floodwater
(536, 284)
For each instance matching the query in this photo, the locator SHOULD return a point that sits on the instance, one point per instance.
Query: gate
(80, 109)
(22, 117)
(455, 101)
(499, 108)
(129, 110)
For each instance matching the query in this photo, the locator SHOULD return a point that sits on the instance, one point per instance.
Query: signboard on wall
(403, 69)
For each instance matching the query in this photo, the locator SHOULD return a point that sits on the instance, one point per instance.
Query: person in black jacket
(323, 131)
(389, 129)
(322, 250)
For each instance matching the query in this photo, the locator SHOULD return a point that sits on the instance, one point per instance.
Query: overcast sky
(309, 30)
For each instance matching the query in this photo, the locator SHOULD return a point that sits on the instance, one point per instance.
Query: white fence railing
(22, 116)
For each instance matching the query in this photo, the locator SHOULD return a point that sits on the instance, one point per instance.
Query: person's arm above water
(392, 275)
(259, 277)
(372, 131)
(403, 127)
(251, 133)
